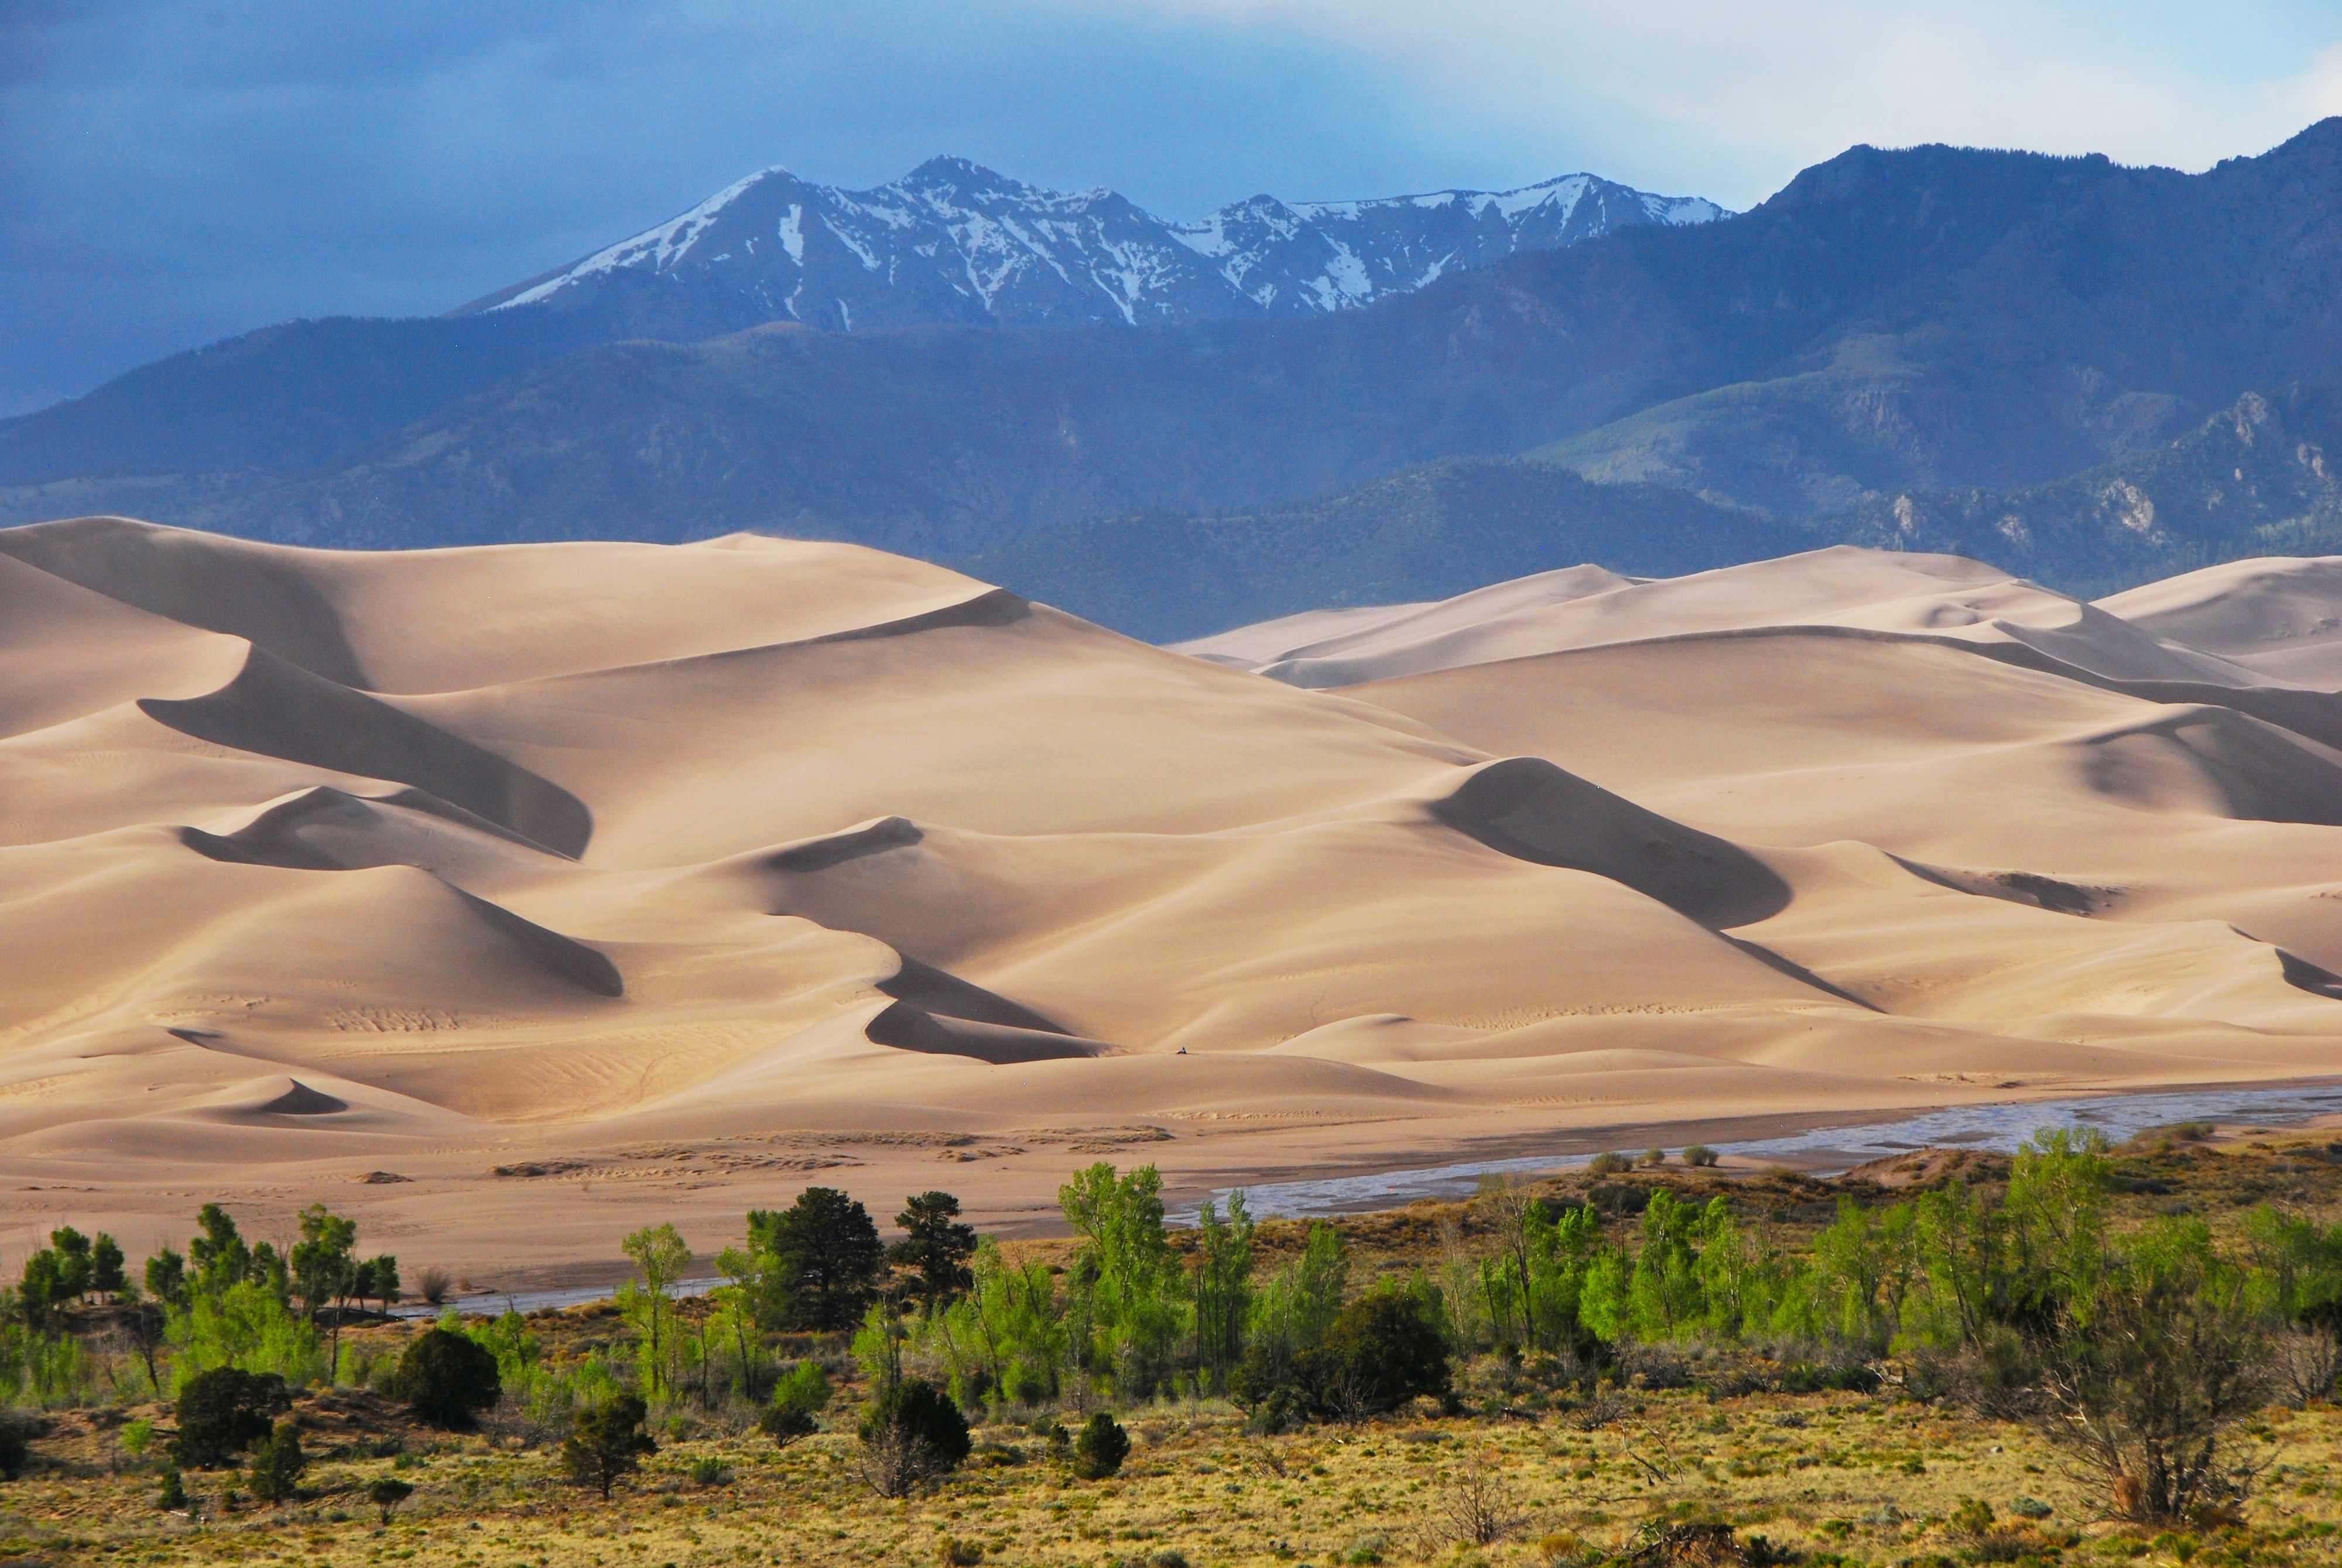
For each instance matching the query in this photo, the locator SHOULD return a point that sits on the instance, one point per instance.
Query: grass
(1560, 1476)
(1838, 1477)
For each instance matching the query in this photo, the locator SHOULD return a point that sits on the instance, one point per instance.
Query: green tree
(41, 1291)
(76, 1267)
(2300, 1276)
(1125, 1274)
(2146, 1375)
(386, 1493)
(1664, 1295)
(609, 1442)
(1292, 1313)
(802, 1395)
(376, 1280)
(935, 1249)
(1382, 1350)
(220, 1257)
(1219, 1284)
(660, 1256)
(324, 1267)
(826, 1256)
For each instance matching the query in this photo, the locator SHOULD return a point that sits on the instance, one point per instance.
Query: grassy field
(1558, 1475)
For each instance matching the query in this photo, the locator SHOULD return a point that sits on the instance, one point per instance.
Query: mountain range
(954, 241)
(950, 242)
(1930, 347)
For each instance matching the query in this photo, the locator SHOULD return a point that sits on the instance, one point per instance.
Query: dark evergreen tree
(107, 1276)
(75, 1265)
(911, 1434)
(388, 1493)
(277, 1463)
(1100, 1450)
(218, 1258)
(935, 1249)
(448, 1378)
(166, 1278)
(224, 1412)
(609, 1442)
(826, 1256)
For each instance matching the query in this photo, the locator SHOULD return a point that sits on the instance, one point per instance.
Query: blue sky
(172, 173)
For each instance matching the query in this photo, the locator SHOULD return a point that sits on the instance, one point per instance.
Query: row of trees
(2139, 1347)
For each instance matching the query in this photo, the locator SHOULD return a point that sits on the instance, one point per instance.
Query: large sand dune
(580, 884)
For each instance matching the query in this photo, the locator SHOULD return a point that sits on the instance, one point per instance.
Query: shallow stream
(1824, 1151)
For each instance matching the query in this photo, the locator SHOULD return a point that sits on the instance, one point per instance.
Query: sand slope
(2277, 615)
(1868, 590)
(670, 876)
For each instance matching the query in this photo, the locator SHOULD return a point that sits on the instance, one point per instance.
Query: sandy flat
(563, 887)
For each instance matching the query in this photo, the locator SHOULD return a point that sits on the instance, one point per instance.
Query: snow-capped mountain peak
(954, 241)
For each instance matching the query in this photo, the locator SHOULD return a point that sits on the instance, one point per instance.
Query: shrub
(15, 1445)
(1100, 1450)
(1700, 1154)
(2145, 1373)
(1479, 1507)
(432, 1284)
(1380, 1351)
(277, 1463)
(1609, 1164)
(386, 1494)
(224, 1412)
(609, 1442)
(1385, 1348)
(136, 1439)
(173, 1496)
(448, 1378)
(1654, 1157)
(911, 1434)
(710, 1471)
(953, 1553)
(802, 1394)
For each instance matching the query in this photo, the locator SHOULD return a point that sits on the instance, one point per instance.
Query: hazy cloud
(174, 172)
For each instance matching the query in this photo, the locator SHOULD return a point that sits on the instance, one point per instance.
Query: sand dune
(2280, 616)
(1862, 590)
(660, 879)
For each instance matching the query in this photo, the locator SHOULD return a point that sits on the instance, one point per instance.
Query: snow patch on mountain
(954, 241)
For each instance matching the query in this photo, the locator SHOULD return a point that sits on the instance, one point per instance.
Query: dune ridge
(785, 857)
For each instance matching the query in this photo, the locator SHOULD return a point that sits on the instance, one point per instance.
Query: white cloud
(1729, 97)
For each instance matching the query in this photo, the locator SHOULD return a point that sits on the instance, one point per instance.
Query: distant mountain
(1891, 322)
(952, 241)
(1940, 332)
(1428, 534)
(2262, 476)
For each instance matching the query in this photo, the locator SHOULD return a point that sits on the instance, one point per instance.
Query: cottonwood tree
(660, 1256)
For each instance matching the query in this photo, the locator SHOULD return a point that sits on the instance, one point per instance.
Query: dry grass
(1840, 1479)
